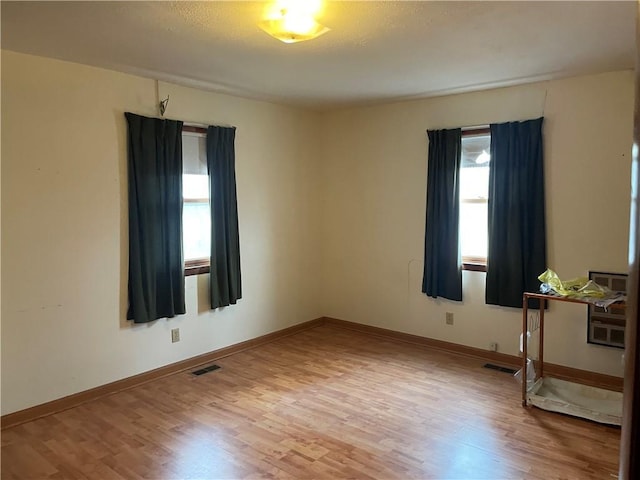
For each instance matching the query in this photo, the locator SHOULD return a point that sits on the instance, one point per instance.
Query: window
(510, 229)
(474, 195)
(196, 217)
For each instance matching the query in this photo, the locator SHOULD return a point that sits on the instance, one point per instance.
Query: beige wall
(64, 228)
(374, 189)
(331, 220)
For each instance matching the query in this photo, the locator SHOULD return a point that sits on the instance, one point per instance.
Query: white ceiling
(376, 51)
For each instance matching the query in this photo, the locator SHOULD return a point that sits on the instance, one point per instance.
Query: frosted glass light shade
(283, 30)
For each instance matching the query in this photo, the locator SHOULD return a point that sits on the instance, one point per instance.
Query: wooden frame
(193, 129)
(196, 267)
(474, 266)
(476, 131)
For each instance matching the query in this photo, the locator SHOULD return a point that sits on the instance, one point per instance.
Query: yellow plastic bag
(576, 287)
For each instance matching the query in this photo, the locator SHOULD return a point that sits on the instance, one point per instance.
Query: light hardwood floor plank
(324, 403)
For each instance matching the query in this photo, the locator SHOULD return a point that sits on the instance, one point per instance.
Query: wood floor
(324, 403)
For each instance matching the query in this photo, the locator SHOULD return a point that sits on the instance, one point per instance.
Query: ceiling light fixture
(292, 21)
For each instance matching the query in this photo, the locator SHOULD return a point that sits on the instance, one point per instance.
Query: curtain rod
(204, 125)
(469, 128)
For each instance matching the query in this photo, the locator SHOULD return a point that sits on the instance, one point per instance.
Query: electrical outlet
(175, 335)
(449, 318)
(493, 346)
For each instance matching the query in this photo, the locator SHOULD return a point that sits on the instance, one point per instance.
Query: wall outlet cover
(175, 335)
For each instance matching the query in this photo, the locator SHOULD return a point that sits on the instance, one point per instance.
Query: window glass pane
(473, 229)
(194, 153)
(474, 188)
(196, 219)
(196, 230)
(195, 186)
(476, 150)
(474, 183)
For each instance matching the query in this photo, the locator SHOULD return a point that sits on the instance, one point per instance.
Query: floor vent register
(508, 370)
(204, 370)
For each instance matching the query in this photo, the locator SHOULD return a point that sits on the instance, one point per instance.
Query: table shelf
(543, 297)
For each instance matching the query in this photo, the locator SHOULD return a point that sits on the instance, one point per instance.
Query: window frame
(475, 264)
(196, 266)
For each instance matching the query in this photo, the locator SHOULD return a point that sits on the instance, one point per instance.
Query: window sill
(196, 267)
(474, 267)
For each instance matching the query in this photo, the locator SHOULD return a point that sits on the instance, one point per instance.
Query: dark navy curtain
(156, 270)
(517, 234)
(442, 276)
(225, 281)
